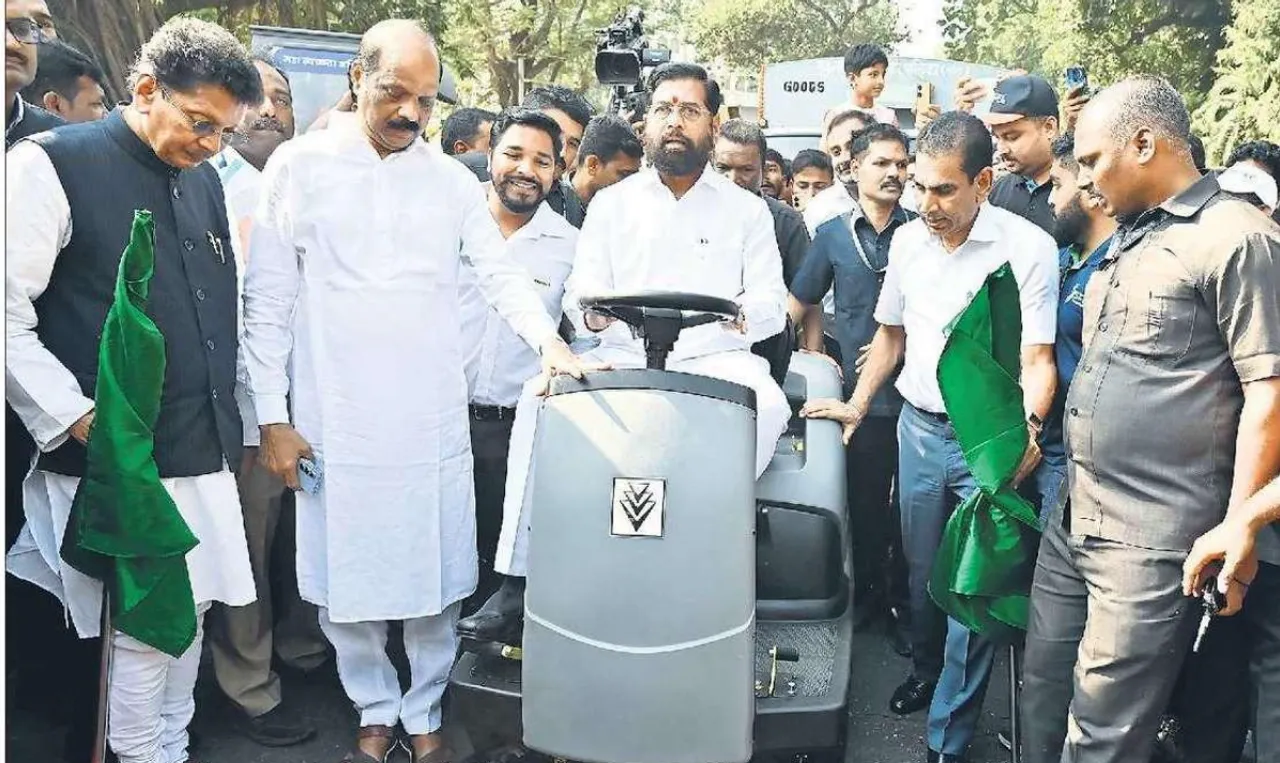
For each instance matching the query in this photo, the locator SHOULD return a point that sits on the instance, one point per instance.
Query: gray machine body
(640, 607)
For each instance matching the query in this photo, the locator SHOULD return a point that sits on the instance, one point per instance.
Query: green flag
(124, 528)
(982, 573)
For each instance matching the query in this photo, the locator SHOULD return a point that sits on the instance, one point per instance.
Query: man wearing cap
(1024, 120)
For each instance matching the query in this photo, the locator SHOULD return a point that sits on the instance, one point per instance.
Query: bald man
(1185, 307)
(364, 229)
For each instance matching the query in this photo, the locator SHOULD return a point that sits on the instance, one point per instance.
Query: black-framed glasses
(27, 31)
(201, 127)
(689, 112)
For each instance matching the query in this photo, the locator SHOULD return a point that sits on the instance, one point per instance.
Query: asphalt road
(875, 734)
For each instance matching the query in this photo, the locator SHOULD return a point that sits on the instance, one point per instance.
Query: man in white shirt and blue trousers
(676, 226)
(936, 265)
(523, 150)
(352, 310)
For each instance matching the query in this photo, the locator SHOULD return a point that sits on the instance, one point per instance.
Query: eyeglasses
(27, 31)
(201, 127)
(688, 111)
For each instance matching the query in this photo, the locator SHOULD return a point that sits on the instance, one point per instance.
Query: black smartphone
(1077, 78)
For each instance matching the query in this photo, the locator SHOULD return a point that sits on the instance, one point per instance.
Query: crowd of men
(391, 310)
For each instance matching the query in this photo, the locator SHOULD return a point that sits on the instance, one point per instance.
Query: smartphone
(310, 475)
(924, 97)
(983, 104)
(1077, 78)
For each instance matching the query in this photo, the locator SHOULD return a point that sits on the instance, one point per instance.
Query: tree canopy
(747, 34)
(1244, 103)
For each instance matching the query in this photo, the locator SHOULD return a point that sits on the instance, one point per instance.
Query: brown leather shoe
(358, 755)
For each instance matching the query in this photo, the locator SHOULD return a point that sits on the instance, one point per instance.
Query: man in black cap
(1024, 121)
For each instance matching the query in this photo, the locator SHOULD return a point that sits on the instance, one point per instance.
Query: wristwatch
(1036, 423)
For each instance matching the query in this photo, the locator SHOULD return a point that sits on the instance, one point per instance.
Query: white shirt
(926, 287)
(241, 184)
(716, 240)
(499, 362)
(829, 203)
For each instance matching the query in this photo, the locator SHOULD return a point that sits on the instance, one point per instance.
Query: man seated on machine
(676, 226)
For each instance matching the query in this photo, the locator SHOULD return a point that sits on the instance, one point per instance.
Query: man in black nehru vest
(71, 201)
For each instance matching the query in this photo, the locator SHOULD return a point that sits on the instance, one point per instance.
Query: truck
(316, 63)
(795, 95)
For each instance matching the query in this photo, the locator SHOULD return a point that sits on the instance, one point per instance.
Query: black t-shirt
(792, 235)
(1025, 199)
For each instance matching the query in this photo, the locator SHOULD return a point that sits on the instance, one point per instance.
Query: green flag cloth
(982, 573)
(124, 528)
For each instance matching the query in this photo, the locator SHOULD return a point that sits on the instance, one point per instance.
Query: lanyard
(857, 244)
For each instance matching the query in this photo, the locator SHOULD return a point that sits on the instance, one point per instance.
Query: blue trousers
(934, 480)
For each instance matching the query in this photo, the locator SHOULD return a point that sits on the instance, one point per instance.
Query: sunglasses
(203, 128)
(27, 31)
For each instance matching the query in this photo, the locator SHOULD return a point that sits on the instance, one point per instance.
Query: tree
(529, 42)
(746, 34)
(1244, 103)
(1174, 38)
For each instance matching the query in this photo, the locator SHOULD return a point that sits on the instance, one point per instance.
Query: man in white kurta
(364, 229)
(677, 226)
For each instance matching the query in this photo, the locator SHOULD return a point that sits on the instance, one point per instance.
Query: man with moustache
(525, 146)
(353, 329)
(739, 155)
(72, 194)
(819, 324)
(776, 183)
(68, 83)
(843, 196)
(572, 112)
(935, 267)
(707, 220)
(243, 640)
(1024, 121)
(27, 23)
(851, 254)
(1184, 313)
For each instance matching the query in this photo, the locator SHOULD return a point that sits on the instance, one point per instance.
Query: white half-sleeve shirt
(926, 287)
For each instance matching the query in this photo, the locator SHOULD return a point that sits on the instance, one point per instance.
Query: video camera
(622, 56)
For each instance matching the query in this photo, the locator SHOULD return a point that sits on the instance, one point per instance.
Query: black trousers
(879, 567)
(490, 441)
(1233, 682)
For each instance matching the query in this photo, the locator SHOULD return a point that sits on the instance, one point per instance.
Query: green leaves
(747, 34)
(1244, 103)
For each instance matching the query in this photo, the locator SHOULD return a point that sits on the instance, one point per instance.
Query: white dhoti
(370, 680)
(741, 367)
(150, 696)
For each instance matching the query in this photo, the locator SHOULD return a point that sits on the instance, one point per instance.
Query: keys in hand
(1213, 602)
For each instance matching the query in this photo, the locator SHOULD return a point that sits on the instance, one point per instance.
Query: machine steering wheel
(658, 317)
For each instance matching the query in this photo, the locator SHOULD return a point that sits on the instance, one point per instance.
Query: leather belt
(941, 418)
(491, 413)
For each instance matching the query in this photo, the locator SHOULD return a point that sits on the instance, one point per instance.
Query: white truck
(796, 94)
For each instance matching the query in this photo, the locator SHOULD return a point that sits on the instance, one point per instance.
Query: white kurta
(369, 251)
(48, 399)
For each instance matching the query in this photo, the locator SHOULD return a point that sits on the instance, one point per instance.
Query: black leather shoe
(912, 696)
(501, 618)
(274, 728)
(937, 757)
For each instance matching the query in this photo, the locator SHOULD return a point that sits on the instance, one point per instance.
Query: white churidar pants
(370, 680)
